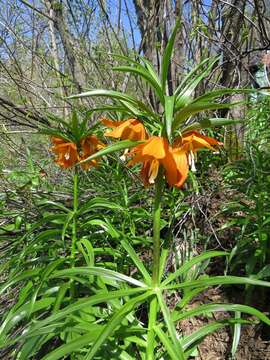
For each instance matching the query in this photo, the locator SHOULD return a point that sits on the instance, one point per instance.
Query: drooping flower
(131, 129)
(175, 159)
(66, 152)
(191, 142)
(90, 145)
(156, 152)
(69, 154)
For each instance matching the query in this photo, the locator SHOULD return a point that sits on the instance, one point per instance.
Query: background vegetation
(53, 49)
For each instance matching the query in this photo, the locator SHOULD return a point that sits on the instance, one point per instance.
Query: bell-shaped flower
(90, 145)
(69, 154)
(156, 152)
(131, 129)
(66, 152)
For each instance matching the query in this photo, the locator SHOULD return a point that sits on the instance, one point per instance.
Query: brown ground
(217, 346)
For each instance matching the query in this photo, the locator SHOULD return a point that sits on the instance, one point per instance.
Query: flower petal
(156, 147)
(180, 158)
(131, 129)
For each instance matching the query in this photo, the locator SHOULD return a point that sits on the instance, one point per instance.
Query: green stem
(153, 311)
(156, 229)
(74, 226)
(74, 221)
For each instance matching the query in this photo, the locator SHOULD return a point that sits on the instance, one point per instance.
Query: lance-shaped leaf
(146, 62)
(195, 108)
(220, 307)
(221, 92)
(120, 145)
(218, 280)
(137, 261)
(185, 90)
(167, 57)
(114, 322)
(170, 325)
(98, 271)
(144, 73)
(213, 122)
(56, 133)
(169, 110)
(190, 263)
(174, 355)
(191, 341)
(112, 95)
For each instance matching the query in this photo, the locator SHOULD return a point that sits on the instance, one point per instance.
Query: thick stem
(74, 228)
(74, 221)
(156, 229)
(153, 311)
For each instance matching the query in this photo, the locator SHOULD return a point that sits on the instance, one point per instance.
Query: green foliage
(86, 290)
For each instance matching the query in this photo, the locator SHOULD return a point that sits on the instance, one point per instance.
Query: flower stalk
(153, 310)
(74, 225)
(156, 227)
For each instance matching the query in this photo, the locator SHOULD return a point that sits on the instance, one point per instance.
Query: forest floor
(254, 341)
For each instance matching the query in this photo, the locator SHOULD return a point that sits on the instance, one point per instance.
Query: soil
(254, 341)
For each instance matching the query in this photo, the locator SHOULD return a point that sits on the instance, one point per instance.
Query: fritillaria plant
(73, 143)
(166, 144)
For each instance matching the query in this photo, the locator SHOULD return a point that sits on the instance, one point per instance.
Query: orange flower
(131, 129)
(191, 141)
(90, 145)
(68, 154)
(175, 159)
(155, 152)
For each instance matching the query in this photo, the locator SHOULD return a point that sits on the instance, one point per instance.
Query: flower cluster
(155, 151)
(69, 154)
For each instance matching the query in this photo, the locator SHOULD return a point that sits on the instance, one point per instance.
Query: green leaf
(139, 70)
(185, 90)
(213, 122)
(44, 276)
(198, 335)
(114, 322)
(167, 344)
(170, 325)
(169, 112)
(75, 128)
(102, 297)
(218, 280)
(162, 263)
(167, 57)
(190, 263)
(13, 318)
(25, 275)
(221, 92)
(137, 261)
(87, 250)
(112, 95)
(96, 203)
(195, 108)
(147, 63)
(56, 133)
(98, 271)
(105, 225)
(75, 345)
(120, 145)
(66, 223)
(54, 204)
(220, 307)
(31, 346)
(236, 334)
